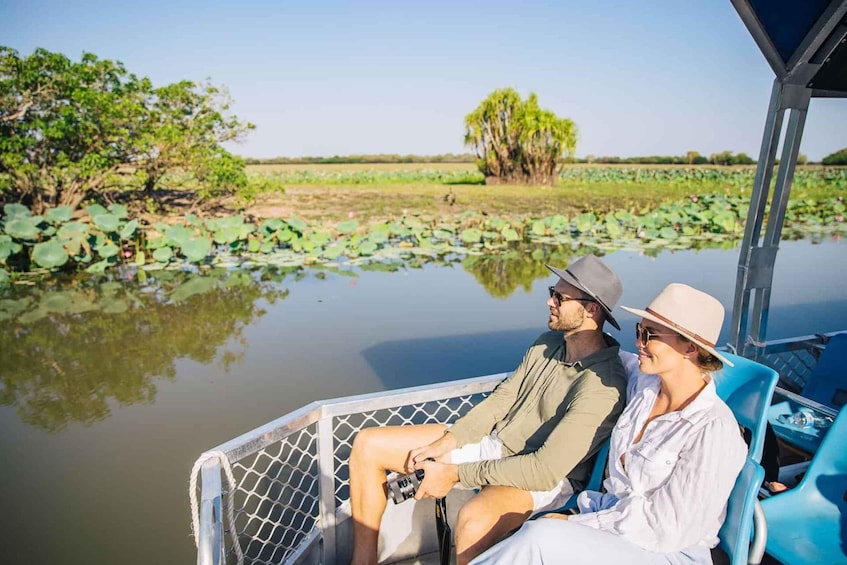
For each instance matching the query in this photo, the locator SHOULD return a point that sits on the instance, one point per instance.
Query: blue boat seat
(826, 385)
(747, 388)
(737, 529)
(808, 524)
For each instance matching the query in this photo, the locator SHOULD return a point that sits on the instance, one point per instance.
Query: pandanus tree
(516, 141)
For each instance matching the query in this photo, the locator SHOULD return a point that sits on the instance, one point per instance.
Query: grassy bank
(379, 192)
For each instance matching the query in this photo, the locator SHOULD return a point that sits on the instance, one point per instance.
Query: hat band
(674, 325)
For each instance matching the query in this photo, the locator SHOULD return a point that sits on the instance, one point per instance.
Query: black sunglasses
(644, 335)
(559, 299)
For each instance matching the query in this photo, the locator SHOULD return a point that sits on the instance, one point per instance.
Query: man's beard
(569, 322)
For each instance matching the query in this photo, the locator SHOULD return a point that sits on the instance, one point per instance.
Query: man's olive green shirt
(551, 417)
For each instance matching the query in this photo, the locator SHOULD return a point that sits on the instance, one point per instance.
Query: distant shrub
(837, 158)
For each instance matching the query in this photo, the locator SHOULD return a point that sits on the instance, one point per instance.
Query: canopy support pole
(757, 257)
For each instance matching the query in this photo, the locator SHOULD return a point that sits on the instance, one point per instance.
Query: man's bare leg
(488, 518)
(375, 451)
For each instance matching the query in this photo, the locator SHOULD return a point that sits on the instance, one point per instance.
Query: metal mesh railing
(346, 426)
(277, 499)
(283, 503)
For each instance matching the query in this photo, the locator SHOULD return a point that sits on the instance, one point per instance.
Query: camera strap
(442, 529)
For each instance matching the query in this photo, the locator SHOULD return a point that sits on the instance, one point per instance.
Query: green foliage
(69, 130)
(516, 141)
(352, 159)
(837, 158)
(105, 239)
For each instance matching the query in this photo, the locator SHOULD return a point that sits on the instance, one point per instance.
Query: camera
(404, 487)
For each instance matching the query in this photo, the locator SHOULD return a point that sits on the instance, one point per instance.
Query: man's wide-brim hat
(689, 312)
(591, 276)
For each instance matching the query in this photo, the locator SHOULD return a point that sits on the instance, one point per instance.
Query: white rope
(195, 508)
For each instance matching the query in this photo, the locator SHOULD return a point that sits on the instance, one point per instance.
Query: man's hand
(439, 478)
(435, 450)
(556, 515)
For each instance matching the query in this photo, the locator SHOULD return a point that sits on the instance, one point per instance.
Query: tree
(185, 124)
(63, 125)
(837, 158)
(68, 128)
(517, 142)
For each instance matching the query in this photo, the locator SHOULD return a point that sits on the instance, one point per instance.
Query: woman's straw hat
(689, 312)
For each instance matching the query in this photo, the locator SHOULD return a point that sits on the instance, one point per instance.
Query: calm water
(103, 414)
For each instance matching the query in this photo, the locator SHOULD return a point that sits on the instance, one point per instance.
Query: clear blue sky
(330, 77)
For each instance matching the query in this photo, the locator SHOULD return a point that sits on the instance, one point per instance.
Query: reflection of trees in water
(68, 352)
(502, 274)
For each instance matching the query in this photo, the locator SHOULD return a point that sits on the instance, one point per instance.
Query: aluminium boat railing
(292, 479)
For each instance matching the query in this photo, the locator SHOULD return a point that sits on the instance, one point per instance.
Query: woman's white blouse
(671, 493)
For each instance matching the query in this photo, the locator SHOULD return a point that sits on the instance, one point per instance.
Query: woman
(674, 456)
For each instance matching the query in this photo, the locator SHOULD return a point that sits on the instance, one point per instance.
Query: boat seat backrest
(737, 528)
(827, 383)
(747, 388)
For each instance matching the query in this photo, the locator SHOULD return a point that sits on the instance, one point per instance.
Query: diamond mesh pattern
(793, 366)
(277, 501)
(345, 429)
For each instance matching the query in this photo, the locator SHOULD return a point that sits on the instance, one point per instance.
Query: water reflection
(69, 351)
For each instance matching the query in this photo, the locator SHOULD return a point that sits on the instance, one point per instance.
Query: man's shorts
(489, 448)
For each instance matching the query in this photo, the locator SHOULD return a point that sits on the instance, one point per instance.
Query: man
(529, 444)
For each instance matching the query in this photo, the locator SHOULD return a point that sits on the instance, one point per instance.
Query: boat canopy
(805, 43)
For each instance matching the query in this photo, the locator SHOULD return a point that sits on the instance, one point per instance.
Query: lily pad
(15, 210)
(59, 215)
(196, 248)
(49, 254)
(106, 222)
(22, 227)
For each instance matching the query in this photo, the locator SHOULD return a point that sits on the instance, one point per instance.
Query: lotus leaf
(471, 235)
(245, 230)
(379, 236)
(194, 286)
(613, 228)
(297, 224)
(22, 227)
(140, 258)
(49, 254)
(585, 222)
(510, 234)
(129, 229)
(333, 252)
(284, 235)
(667, 233)
(489, 235)
(16, 210)
(254, 245)
(4, 277)
(119, 210)
(196, 248)
(368, 248)
(67, 302)
(95, 210)
(106, 250)
(59, 215)
(226, 234)
(106, 222)
(266, 247)
(442, 234)
(538, 227)
(8, 247)
(194, 220)
(320, 238)
(177, 236)
(272, 224)
(348, 227)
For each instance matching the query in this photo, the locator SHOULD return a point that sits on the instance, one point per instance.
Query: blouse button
(668, 462)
